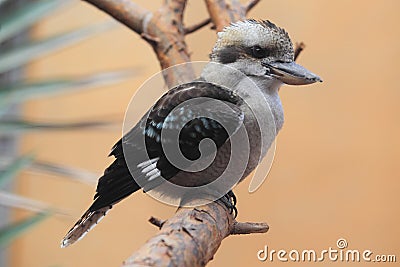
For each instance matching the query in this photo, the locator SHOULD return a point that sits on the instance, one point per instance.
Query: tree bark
(223, 12)
(163, 30)
(191, 237)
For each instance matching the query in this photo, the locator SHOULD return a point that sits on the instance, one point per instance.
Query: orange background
(336, 170)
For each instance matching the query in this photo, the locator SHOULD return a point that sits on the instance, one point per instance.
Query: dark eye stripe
(229, 54)
(258, 52)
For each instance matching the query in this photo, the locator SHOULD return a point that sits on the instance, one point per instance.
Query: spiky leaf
(19, 125)
(11, 200)
(19, 92)
(32, 11)
(2, 2)
(14, 168)
(80, 175)
(11, 232)
(18, 56)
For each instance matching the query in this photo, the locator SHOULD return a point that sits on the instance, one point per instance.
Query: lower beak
(292, 73)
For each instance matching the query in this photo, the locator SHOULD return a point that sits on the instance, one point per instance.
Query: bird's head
(260, 48)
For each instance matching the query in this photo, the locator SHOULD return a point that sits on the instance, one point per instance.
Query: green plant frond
(18, 56)
(11, 200)
(31, 12)
(19, 92)
(16, 166)
(12, 231)
(4, 108)
(2, 2)
(76, 174)
(20, 125)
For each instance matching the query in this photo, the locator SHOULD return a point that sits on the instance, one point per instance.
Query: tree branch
(223, 13)
(245, 228)
(251, 4)
(191, 237)
(125, 11)
(157, 222)
(167, 25)
(163, 30)
(298, 49)
(197, 26)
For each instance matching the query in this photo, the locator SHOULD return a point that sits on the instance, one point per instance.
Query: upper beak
(291, 73)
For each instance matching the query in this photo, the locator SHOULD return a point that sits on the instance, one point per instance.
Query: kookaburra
(250, 58)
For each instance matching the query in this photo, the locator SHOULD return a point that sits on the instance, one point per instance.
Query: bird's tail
(88, 220)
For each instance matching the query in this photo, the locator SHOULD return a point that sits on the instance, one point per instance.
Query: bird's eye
(258, 52)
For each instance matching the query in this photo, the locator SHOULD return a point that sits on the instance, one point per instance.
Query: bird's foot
(229, 200)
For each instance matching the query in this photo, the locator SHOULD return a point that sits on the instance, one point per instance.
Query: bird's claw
(229, 200)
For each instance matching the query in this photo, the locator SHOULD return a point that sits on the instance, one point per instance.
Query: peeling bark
(191, 237)
(163, 30)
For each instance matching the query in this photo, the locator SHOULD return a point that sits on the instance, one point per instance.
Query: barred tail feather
(88, 220)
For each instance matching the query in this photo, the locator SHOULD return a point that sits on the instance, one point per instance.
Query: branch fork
(191, 237)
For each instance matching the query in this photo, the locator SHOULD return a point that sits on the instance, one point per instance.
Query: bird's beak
(291, 73)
